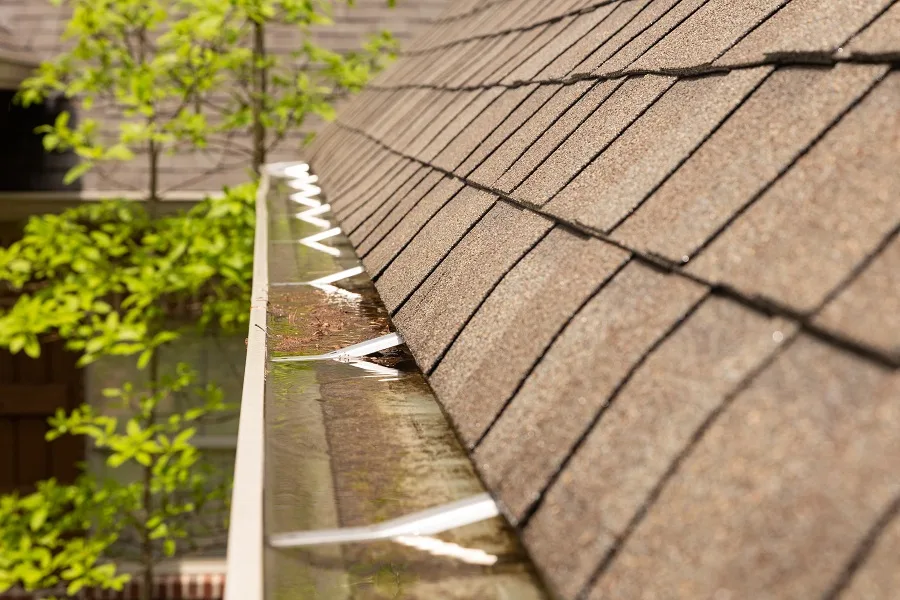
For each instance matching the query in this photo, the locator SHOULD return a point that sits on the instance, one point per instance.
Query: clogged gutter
(354, 450)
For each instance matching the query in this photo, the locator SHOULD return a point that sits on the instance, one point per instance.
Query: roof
(647, 253)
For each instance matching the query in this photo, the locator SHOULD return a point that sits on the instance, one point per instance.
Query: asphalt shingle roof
(647, 252)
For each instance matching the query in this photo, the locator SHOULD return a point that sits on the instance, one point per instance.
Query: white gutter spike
(301, 198)
(355, 351)
(308, 216)
(296, 170)
(338, 276)
(427, 522)
(313, 241)
(439, 547)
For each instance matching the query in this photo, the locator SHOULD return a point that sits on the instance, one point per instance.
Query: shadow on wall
(26, 166)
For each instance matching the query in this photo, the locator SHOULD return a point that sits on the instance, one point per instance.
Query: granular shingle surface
(585, 363)
(778, 122)
(651, 148)
(555, 278)
(651, 420)
(823, 217)
(778, 491)
(647, 253)
(436, 311)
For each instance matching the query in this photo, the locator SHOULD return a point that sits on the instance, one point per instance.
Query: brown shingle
(503, 340)
(878, 578)
(620, 103)
(435, 122)
(642, 432)
(508, 128)
(574, 380)
(474, 134)
(429, 246)
(459, 122)
(640, 16)
(868, 310)
(777, 494)
(384, 250)
(551, 44)
(369, 221)
(761, 139)
(581, 104)
(879, 38)
(437, 310)
(791, 30)
(353, 215)
(589, 30)
(397, 211)
(655, 28)
(823, 217)
(708, 33)
(512, 148)
(628, 171)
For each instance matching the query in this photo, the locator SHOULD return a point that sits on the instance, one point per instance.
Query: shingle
(438, 309)
(708, 33)
(397, 211)
(806, 233)
(481, 127)
(632, 166)
(396, 113)
(574, 380)
(519, 48)
(576, 104)
(879, 38)
(436, 121)
(459, 122)
(508, 128)
(655, 29)
(513, 147)
(483, 55)
(642, 432)
(544, 49)
(639, 18)
(777, 494)
(774, 125)
(878, 578)
(430, 245)
(346, 200)
(868, 310)
(368, 219)
(791, 30)
(571, 108)
(590, 30)
(503, 340)
(352, 216)
(615, 113)
(384, 250)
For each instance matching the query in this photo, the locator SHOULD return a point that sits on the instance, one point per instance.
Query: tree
(178, 76)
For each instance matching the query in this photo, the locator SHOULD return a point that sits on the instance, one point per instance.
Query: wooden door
(30, 391)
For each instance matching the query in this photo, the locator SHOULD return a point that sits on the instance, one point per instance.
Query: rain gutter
(348, 479)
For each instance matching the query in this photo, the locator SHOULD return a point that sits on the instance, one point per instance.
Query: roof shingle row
(659, 306)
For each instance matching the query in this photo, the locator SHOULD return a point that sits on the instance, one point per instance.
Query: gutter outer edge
(244, 557)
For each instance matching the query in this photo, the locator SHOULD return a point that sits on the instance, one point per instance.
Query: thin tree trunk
(153, 199)
(258, 90)
(148, 559)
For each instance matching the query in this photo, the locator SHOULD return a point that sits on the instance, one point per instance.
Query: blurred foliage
(155, 78)
(64, 536)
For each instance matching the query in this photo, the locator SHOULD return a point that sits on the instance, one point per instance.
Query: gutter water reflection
(357, 443)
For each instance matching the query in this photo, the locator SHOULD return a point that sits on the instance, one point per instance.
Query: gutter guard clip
(427, 522)
(350, 352)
